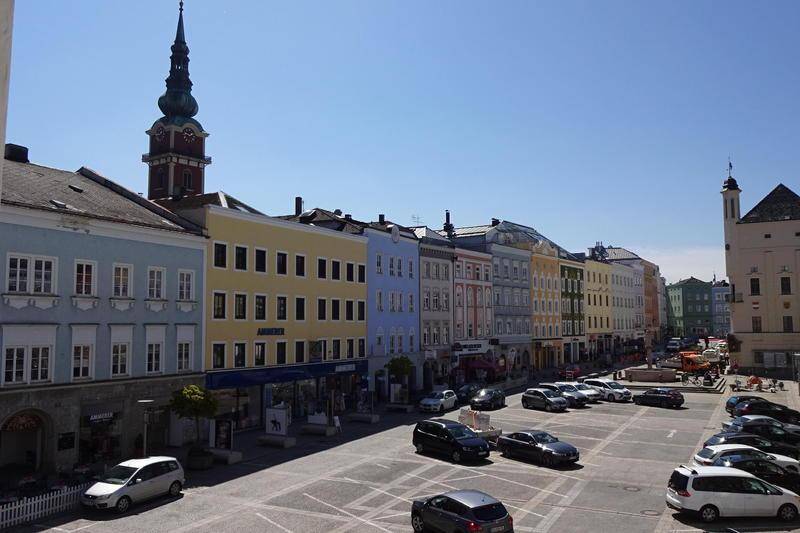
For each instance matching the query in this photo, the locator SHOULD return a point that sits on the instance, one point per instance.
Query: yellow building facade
(548, 346)
(598, 306)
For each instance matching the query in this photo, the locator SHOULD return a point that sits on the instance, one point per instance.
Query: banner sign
(277, 420)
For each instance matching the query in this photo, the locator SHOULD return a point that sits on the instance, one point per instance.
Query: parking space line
(379, 490)
(351, 515)
(524, 510)
(274, 523)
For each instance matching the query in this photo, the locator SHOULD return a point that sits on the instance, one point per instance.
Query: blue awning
(231, 379)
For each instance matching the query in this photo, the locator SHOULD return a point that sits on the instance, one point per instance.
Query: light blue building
(101, 306)
(721, 310)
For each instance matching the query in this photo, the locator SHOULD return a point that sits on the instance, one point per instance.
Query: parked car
(591, 394)
(466, 392)
(730, 405)
(575, 370)
(673, 346)
(777, 411)
(660, 396)
(134, 481)
(750, 423)
(447, 437)
(543, 399)
(609, 389)
(756, 441)
(766, 470)
(461, 510)
(709, 454)
(574, 398)
(438, 401)
(714, 491)
(538, 446)
(488, 399)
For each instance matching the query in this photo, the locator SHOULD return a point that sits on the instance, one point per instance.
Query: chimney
(495, 221)
(15, 152)
(382, 218)
(448, 227)
(447, 216)
(298, 205)
(348, 216)
(338, 212)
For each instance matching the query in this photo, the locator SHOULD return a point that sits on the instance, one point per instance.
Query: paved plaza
(365, 479)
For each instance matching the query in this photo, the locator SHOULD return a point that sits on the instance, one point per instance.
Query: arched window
(187, 180)
(160, 178)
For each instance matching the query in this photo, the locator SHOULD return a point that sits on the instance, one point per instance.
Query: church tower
(177, 159)
(730, 216)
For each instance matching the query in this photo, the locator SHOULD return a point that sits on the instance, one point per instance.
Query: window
(81, 359)
(755, 287)
(436, 300)
(379, 263)
(336, 270)
(239, 354)
(14, 365)
(84, 278)
(155, 283)
(351, 348)
(239, 308)
(410, 303)
(336, 348)
(185, 285)
(187, 180)
(122, 281)
(299, 308)
(756, 324)
(426, 300)
(184, 356)
(153, 357)
(300, 265)
(322, 309)
(426, 336)
(362, 308)
(240, 258)
(261, 260)
(119, 359)
(219, 305)
(399, 267)
(350, 272)
(349, 311)
(220, 255)
(362, 347)
(335, 304)
(411, 268)
(260, 310)
(446, 335)
(40, 363)
(786, 285)
(322, 268)
(299, 351)
(391, 266)
(260, 353)
(280, 310)
(787, 324)
(282, 263)
(362, 273)
(280, 352)
(218, 355)
(379, 300)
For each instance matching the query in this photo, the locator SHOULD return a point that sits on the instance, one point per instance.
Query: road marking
(525, 510)
(274, 523)
(378, 490)
(671, 434)
(351, 515)
(382, 466)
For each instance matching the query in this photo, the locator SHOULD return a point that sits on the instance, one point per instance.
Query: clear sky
(591, 121)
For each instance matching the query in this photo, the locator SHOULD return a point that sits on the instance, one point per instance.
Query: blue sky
(590, 121)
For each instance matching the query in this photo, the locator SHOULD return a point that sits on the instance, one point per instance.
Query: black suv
(488, 399)
(756, 441)
(467, 391)
(447, 437)
(461, 510)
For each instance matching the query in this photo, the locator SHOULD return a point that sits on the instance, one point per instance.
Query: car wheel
(610, 398)
(417, 523)
(175, 488)
(456, 456)
(419, 447)
(123, 504)
(524, 404)
(637, 401)
(547, 407)
(709, 513)
(787, 512)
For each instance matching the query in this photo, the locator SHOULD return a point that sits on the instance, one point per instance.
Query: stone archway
(26, 438)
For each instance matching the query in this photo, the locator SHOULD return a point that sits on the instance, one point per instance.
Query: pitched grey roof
(780, 204)
(218, 198)
(329, 219)
(618, 254)
(84, 193)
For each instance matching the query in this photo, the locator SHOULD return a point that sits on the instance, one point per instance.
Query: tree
(194, 402)
(400, 367)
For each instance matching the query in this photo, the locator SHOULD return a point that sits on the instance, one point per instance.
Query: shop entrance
(23, 438)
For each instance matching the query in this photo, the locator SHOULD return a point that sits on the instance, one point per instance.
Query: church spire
(178, 101)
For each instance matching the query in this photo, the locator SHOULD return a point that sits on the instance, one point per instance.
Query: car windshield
(567, 388)
(549, 394)
(462, 432)
(715, 440)
(119, 475)
(435, 395)
(544, 438)
(615, 385)
(706, 453)
(490, 513)
(485, 392)
(582, 386)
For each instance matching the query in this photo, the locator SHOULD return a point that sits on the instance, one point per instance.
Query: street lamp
(144, 404)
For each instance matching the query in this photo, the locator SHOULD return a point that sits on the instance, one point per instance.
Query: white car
(609, 389)
(134, 481)
(718, 491)
(574, 386)
(438, 401)
(708, 455)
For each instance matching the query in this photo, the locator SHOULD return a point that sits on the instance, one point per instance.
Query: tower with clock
(176, 159)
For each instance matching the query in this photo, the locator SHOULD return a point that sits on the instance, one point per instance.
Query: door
(757, 500)
(142, 489)
(526, 446)
(433, 514)
(441, 440)
(539, 401)
(449, 400)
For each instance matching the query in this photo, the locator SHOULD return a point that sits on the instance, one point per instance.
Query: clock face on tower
(188, 135)
(159, 134)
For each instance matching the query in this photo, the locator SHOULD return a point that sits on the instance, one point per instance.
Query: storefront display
(100, 434)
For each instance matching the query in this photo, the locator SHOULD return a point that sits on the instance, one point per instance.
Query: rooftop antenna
(416, 220)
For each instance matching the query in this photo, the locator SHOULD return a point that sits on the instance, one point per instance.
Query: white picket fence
(29, 509)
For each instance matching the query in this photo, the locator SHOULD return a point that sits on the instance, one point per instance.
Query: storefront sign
(101, 417)
(345, 368)
(277, 421)
(270, 331)
(430, 354)
(465, 348)
(66, 441)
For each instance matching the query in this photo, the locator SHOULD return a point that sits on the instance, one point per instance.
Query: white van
(715, 491)
(609, 389)
(134, 481)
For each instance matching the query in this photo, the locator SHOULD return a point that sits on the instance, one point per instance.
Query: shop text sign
(345, 368)
(270, 331)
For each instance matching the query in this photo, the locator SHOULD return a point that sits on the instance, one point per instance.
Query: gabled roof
(332, 220)
(690, 281)
(219, 198)
(424, 232)
(619, 254)
(84, 193)
(780, 204)
(511, 232)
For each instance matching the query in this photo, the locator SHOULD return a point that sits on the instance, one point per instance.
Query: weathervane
(730, 167)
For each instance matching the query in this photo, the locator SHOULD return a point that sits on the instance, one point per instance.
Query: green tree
(400, 367)
(194, 402)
